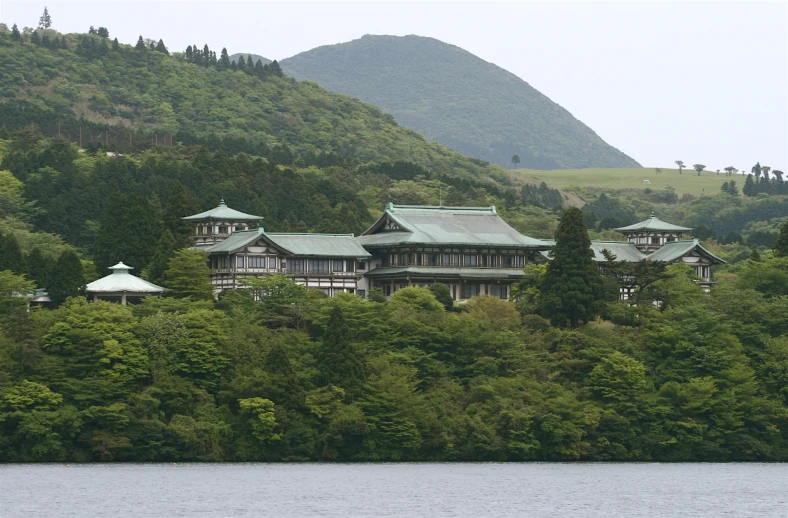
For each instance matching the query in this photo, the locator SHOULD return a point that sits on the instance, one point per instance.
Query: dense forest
(294, 375)
(458, 99)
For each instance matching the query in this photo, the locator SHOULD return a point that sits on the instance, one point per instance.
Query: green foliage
(442, 294)
(188, 275)
(68, 278)
(571, 290)
(465, 103)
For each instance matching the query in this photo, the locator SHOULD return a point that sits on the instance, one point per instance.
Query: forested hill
(455, 98)
(158, 96)
(255, 58)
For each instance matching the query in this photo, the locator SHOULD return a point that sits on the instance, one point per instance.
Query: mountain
(92, 85)
(455, 98)
(255, 58)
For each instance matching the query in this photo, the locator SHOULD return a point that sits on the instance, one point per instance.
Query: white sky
(703, 82)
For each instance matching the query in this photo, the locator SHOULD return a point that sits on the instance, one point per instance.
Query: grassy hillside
(152, 92)
(455, 98)
(633, 178)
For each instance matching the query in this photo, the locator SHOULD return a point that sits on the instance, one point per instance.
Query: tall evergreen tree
(189, 55)
(274, 69)
(572, 289)
(45, 22)
(187, 275)
(224, 61)
(39, 268)
(249, 65)
(68, 278)
(158, 265)
(749, 186)
(283, 386)
(179, 205)
(241, 65)
(781, 245)
(161, 48)
(64, 45)
(15, 34)
(337, 359)
(11, 257)
(258, 69)
(129, 231)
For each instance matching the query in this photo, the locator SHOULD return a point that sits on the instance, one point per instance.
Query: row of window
(468, 290)
(472, 260)
(221, 229)
(313, 266)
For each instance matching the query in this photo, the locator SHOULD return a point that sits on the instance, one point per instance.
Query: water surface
(418, 490)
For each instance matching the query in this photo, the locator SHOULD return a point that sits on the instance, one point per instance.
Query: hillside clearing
(688, 182)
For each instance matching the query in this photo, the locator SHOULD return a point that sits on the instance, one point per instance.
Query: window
(222, 229)
(362, 294)
(349, 265)
(272, 263)
(654, 240)
(255, 261)
(433, 260)
(319, 266)
(403, 260)
(239, 229)
(499, 291)
(470, 260)
(240, 261)
(362, 266)
(339, 265)
(296, 266)
(470, 290)
(419, 259)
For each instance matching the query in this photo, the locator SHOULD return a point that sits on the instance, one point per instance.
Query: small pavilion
(121, 286)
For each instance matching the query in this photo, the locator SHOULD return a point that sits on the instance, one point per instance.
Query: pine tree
(67, 279)
(15, 34)
(129, 232)
(258, 69)
(64, 45)
(103, 32)
(35, 39)
(241, 63)
(249, 65)
(45, 22)
(274, 69)
(189, 55)
(39, 268)
(749, 186)
(283, 386)
(140, 44)
(115, 44)
(11, 257)
(188, 275)
(224, 62)
(572, 289)
(179, 205)
(158, 265)
(781, 245)
(337, 360)
(161, 48)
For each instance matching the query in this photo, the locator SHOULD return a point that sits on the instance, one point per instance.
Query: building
(470, 249)
(655, 240)
(121, 286)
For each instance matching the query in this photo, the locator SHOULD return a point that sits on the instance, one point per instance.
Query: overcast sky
(703, 82)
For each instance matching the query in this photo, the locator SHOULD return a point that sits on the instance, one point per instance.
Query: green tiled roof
(623, 251)
(677, 249)
(323, 245)
(425, 225)
(223, 212)
(654, 224)
(464, 273)
(327, 245)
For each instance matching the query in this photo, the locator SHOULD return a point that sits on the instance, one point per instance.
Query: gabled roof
(322, 245)
(655, 224)
(426, 225)
(223, 212)
(677, 249)
(121, 280)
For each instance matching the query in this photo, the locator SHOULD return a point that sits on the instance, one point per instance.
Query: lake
(408, 489)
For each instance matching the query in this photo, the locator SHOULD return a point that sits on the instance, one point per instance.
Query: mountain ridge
(457, 99)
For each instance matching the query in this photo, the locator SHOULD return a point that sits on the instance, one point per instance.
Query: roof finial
(653, 215)
(221, 202)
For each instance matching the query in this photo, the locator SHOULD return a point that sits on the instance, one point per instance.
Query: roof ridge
(316, 234)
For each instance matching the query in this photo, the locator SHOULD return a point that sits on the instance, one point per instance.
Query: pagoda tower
(219, 223)
(652, 234)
